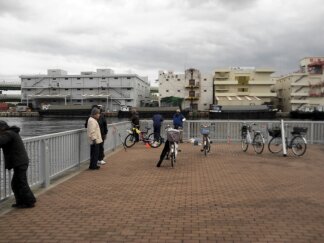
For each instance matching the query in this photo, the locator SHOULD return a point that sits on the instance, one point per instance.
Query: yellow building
(243, 86)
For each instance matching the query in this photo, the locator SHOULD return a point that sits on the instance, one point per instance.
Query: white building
(102, 87)
(243, 86)
(195, 88)
(302, 90)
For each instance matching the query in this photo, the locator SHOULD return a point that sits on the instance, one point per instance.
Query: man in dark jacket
(157, 122)
(103, 130)
(16, 158)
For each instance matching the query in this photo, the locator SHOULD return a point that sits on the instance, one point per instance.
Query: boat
(234, 112)
(65, 110)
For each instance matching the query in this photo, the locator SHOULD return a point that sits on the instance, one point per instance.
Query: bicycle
(257, 141)
(297, 143)
(130, 139)
(204, 130)
(173, 137)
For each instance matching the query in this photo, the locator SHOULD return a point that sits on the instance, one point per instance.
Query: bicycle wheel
(298, 145)
(208, 147)
(244, 144)
(154, 143)
(275, 145)
(258, 143)
(204, 143)
(129, 141)
(172, 154)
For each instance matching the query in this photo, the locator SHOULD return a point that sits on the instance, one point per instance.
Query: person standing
(16, 158)
(103, 130)
(94, 135)
(178, 120)
(157, 122)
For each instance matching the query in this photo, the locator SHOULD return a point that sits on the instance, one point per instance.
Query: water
(36, 126)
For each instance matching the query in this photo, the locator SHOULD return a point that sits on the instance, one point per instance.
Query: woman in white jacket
(94, 135)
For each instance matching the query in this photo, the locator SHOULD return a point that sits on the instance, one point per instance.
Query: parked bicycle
(251, 136)
(173, 137)
(297, 143)
(204, 130)
(130, 139)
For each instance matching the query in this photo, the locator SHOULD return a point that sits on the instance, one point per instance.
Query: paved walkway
(228, 196)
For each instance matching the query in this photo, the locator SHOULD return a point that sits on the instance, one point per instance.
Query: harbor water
(36, 126)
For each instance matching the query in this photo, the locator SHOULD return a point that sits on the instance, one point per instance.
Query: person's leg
(101, 152)
(94, 154)
(14, 187)
(24, 196)
(164, 152)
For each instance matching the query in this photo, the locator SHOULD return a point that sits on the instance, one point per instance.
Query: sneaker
(101, 162)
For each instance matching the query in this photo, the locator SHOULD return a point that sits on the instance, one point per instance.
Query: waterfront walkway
(228, 196)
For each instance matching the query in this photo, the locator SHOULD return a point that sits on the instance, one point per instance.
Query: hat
(95, 111)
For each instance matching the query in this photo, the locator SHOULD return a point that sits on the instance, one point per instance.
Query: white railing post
(283, 137)
(44, 158)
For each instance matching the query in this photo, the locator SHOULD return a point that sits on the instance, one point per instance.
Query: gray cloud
(152, 35)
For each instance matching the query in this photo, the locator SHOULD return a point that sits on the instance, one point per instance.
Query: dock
(228, 196)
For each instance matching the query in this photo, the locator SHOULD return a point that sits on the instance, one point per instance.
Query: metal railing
(230, 130)
(54, 154)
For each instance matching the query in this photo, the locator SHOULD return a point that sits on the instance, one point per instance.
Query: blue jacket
(157, 120)
(177, 120)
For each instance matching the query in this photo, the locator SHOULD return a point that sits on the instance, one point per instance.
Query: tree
(171, 101)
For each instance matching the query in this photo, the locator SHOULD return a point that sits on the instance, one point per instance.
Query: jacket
(13, 148)
(157, 120)
(93, 131)
(177, 120)
(102, 125)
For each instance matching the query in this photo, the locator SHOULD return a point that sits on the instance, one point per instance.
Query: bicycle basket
(244, 130)
(276, 132)
(299, 130)
(204, 130)
(173, 135)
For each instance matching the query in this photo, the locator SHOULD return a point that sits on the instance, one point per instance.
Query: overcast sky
(144, 36)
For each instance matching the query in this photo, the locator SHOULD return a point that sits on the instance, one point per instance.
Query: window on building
(205, 90)
(54, 78)
(103, 89)
(28, 89)
(167, 79)
(78, 78)
(205, 104)
(242, 90)
(179, 90)
(90, 78)
(129, 88)
(179, 79)
(167, 91)
(242, 80)
(90, 89)
(128, 77)
(91, 100)
(66, 89)
(66, 78)
(78, 89)
(28, 78)
(103, 78)
(54, 89)
(205, 79)
(115, 77)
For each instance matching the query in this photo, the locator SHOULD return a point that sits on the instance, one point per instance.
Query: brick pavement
(228, 196)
